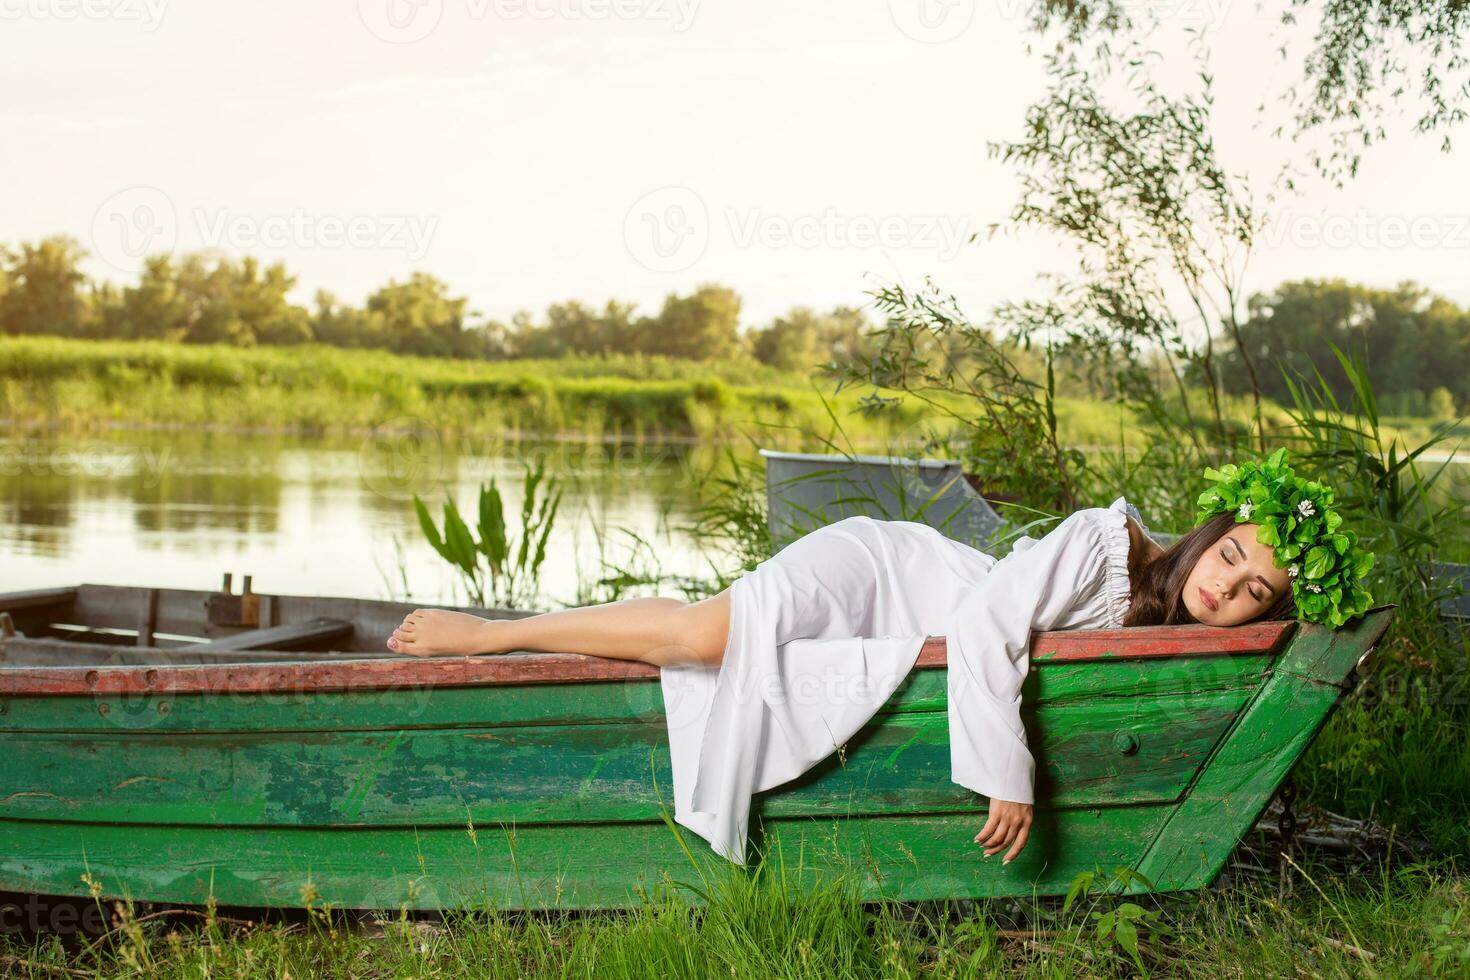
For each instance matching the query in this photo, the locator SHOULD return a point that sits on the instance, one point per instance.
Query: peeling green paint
(893, 756)
(352, 804)
(591, 776)
(250, 793)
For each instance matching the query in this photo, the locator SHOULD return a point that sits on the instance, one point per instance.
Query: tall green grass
(319, 389)
(1398, 749)
(1385, 921)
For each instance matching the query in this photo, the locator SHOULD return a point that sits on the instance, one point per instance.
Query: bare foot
(439, 632)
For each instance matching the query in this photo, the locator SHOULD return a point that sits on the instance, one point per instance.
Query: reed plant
(512, 562)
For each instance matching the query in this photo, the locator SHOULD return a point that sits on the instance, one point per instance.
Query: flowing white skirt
(821, 634)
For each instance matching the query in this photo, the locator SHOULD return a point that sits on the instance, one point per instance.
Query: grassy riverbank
(1386, 921)
(321, 390)
(1396, 752)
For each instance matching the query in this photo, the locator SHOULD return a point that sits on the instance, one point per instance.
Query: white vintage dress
(824, 631)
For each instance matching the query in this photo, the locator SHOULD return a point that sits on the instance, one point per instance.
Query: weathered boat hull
(539, 781)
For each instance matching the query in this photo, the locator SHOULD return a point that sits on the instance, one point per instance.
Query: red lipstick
(1209, 601)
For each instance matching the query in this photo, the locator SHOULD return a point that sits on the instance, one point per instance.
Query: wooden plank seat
(36, 599)
(46, 651)
(287, 636)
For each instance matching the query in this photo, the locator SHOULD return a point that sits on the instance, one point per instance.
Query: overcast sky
(532, 151)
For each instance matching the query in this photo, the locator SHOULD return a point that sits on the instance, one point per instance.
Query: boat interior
(98, 625)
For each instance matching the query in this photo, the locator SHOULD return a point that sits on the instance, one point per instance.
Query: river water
(314, 516)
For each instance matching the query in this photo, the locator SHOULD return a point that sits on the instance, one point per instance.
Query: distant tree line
(1417, 344)
(210, 299)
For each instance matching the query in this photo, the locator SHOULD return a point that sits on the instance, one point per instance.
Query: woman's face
(1235, 580)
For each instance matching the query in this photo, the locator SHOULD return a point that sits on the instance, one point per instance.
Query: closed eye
(1248, 588)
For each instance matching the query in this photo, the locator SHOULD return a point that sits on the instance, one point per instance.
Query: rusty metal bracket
(224, 608)
(1286, 823)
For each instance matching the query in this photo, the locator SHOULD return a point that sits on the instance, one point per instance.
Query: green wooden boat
(282, 757)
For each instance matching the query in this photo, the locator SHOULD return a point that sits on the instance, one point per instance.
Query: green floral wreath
(1298, 521)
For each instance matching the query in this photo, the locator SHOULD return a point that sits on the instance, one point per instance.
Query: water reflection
(316, 516)
(334, 516)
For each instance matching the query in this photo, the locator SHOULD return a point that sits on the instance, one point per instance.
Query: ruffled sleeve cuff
(1117, 586)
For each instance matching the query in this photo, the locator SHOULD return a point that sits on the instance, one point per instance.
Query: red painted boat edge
(1057, 647)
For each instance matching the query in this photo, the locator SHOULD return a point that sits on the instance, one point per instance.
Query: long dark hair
(1157, 590)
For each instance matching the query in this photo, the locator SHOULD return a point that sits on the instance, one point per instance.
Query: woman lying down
(767, 678)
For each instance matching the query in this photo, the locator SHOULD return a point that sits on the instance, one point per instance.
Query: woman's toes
(442, 632)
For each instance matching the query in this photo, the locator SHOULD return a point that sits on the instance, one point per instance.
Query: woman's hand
(1009, 826)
